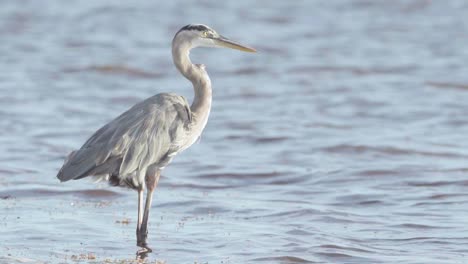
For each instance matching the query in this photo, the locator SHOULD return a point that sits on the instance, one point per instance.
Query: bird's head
(199, 35)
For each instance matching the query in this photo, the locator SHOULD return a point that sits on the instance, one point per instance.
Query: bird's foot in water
(143, 252)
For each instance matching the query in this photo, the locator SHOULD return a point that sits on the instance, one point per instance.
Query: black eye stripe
(195, 27)
(201, 28)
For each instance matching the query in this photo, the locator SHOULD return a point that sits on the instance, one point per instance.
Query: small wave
(328, 125)
(446, 196)
(193, 186)
(334, 255)
(267, 140)
(267, 178)
(208, 210)
(377, 173)
(290, 180)
(283, 260)
(258, 140)
(187, 204)
(248, 126)
(422, 239)
(115, 70)
(278, 20)
(424, 204)
(38, 192)
(299, 232)
(247, 95)
(248, 71)
(459, 86)
(261, 175)
(393, 151)
(16, 171)
(356, 70)
(329, 246)
(97, 193)
(337, 219)
(12, 260)
(359, 199)
(437, 183)
(289, 214)
(418, 226)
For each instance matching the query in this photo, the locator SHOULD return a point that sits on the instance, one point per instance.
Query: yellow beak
(227, 43)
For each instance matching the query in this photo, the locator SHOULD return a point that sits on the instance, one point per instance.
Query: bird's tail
(77, 165)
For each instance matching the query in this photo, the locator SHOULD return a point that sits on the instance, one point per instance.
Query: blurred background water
(342, 141)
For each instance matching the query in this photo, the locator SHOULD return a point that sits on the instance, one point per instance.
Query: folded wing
(149, 133)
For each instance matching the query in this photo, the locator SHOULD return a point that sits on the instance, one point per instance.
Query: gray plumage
(148, 134)
(132, 149)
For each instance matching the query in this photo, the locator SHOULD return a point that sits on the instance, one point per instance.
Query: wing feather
(142, 136)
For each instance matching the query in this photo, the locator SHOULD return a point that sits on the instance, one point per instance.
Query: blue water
(343, 140)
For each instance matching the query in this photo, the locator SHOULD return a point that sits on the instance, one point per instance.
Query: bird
(131, 150)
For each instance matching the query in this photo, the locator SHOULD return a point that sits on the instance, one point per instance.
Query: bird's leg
(144, 224)
(140, 213)
(151, 182)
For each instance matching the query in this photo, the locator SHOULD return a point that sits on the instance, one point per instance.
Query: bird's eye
(205, 34)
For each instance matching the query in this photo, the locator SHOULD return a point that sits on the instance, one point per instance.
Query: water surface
(342, 141)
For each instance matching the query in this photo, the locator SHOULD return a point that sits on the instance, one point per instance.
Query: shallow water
(342, 141)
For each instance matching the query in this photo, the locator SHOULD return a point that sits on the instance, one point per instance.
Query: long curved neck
(197, 75)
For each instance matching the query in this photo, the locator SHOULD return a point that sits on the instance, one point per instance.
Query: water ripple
(339, 141)
(116, 70)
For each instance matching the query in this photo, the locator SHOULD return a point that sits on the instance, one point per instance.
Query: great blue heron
(132, 149)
